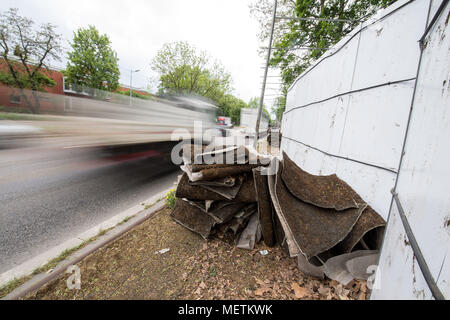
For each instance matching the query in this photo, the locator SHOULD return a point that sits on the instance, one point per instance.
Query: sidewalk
(132, 268)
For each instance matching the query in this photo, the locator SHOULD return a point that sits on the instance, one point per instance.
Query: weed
(125, 220)
(171, 198)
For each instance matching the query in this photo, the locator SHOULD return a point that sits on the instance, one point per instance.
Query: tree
(26, 52)
(312, 36)
(280, 105)
(184, 70)
(318, 35)
(231, 107)
(262, 11)
(254, 103)
(92, 62)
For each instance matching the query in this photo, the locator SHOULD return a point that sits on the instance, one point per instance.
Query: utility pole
(261, 99)
(131, 82)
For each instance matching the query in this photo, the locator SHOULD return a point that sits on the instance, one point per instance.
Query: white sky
(138, 29)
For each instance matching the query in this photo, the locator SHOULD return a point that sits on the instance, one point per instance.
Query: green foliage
(44, 80)
(6, 79)
(231, 107)
(314, 34)
(134, 94)
(171, 198)
(26, 50)
(22, 80)
(92, 62)
(317, 35)
(254, 103)
(184, 70)
(18, 115)
(280, 106)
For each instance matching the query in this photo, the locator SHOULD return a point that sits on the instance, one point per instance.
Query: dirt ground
(193, 268)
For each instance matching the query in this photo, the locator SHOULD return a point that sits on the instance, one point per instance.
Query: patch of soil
(193, 268)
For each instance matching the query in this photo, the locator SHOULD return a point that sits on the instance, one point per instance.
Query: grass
(135, 95)
(51, 264)
(14, 109)
(129, 268)
(15, 116)
(13, 284)
(148, 206)
(21, 116)
(124, 220)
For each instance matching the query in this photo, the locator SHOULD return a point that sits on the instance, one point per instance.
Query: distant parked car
(224, 124)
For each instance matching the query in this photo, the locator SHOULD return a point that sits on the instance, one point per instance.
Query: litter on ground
(162, 251)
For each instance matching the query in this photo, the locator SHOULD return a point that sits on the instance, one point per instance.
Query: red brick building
(11, 98)
(127, 89)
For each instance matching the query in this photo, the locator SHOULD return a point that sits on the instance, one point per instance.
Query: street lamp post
(131, 82)
(261, 99)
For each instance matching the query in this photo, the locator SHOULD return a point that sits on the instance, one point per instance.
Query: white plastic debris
(264, 252)
(162, 251)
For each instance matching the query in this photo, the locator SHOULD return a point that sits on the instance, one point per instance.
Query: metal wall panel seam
(433, 21)
(350, 92)
(349, 100)
(436, 292)
(341, 157)
(404, 140)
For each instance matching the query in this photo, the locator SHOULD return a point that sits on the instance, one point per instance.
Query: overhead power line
(296, 48)
(315, 19)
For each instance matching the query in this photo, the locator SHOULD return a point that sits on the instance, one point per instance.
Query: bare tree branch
(32, 49)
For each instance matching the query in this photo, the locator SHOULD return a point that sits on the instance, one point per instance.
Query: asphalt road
(49, 194)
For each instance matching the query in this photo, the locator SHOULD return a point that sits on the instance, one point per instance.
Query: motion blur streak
(81, 161)
(106, 118)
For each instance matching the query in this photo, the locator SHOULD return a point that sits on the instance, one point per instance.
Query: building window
(14, 98)
(66, 85)
(76, 88)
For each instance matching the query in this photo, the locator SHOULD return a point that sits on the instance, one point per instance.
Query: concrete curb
(139, 215)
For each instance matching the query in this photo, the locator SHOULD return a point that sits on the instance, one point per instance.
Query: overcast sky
(138, 28)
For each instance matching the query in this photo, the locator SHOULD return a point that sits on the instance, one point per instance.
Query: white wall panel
(398, 278)
(388, 49)
(376, 124)
(320, 125)
(369, 126)
(424, 178)
(334, 74)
